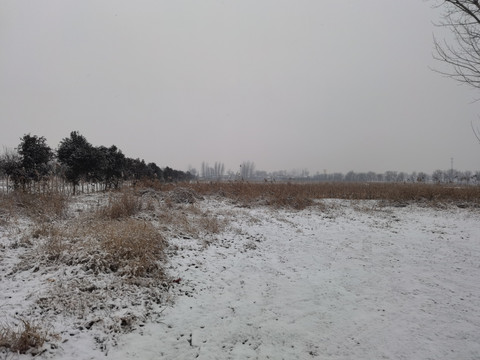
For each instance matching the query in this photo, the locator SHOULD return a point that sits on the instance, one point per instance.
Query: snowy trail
(346, 283)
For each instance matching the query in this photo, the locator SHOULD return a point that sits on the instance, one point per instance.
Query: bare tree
(192, 171)
(438, 176)
(247, 168)
(462, 17)
(10, 166)
(476, 129)
(218, 170)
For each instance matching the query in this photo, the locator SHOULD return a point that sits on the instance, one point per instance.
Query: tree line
(217, 171)
(248, 173)
(437, 177)
(77, 162)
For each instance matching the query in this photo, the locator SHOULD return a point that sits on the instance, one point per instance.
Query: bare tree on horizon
(247, 168)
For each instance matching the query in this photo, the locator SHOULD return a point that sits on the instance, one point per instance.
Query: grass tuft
(132, 247)
(120, 206)
(22, 337)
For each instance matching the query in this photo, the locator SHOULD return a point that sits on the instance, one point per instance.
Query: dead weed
(22, 337)
(121, 206)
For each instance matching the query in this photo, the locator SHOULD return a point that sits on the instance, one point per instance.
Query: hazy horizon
(317, 85)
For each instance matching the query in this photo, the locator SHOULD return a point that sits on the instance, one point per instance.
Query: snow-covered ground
(339, 280)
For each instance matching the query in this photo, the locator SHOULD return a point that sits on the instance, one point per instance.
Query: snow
(339, 280)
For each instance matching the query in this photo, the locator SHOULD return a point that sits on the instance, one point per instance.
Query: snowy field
(338, 280)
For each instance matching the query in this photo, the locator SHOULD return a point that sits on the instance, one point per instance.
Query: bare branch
(476, 130)
(462, 17)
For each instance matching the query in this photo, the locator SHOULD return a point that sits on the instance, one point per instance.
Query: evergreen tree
(80, 158)
(111, 164)
(35, 156)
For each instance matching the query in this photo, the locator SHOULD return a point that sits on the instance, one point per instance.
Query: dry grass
(301, 195)
(112, 264)
(39, 207)
(182, 195)
(210, 224)
(121, 205)
(55, 247)
(22, 337)
(189, 221)
(131, 248)
(101, 240)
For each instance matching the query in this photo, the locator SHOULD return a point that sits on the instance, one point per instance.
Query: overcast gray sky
(319, 84)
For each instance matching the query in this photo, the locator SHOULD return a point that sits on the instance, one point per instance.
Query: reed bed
(301, 195)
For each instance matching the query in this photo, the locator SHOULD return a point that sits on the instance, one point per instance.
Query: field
(242, 271)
